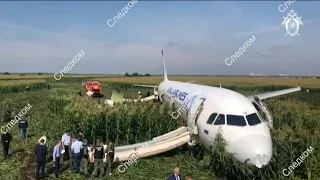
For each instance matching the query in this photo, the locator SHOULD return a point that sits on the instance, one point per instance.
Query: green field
(296, 121)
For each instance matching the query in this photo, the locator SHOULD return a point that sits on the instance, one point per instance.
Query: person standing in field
(44, 138)
(6, 138)
(110, 156)
(139, 96)
(84, 158)
(41, 152)
(76, 148)
(98, 159)
(23, 125)
(71, 154)
(176, 175)
(66, 141)
(81, 136)
(56, 157)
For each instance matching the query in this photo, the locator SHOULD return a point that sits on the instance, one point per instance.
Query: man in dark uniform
(6, 138)
(98, 159)
(23, 125)
(84, 158)
(41, 152)
(110, 156)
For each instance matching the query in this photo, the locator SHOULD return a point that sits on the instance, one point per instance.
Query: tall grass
(296, 128)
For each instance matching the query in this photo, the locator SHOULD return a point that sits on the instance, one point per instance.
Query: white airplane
(243, 122)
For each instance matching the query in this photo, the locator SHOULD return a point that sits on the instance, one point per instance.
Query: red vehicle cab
(93, 88)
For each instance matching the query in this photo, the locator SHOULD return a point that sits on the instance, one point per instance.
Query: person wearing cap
(44, 138)
(84, 158)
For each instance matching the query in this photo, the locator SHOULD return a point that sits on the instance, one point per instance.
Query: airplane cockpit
(234, 120)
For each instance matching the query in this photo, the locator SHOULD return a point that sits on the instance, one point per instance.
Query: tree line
(135, 74)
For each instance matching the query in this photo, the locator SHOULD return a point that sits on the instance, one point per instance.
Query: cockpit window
(253, 119)
(220, 120)
(234, 120)
(212, 118)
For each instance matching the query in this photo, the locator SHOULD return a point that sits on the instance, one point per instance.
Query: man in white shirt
(76, 148)
(66, 141)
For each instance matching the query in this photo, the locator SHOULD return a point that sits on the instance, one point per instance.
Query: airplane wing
(275, 93)
(141, 85)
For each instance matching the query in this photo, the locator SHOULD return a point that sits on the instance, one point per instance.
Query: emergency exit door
(193, 115)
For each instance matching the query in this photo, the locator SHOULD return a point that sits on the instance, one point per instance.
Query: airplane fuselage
(212, 110)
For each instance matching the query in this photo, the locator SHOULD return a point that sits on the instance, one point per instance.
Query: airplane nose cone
(255, 149)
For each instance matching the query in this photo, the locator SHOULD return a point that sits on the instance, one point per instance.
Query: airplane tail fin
(164, 69)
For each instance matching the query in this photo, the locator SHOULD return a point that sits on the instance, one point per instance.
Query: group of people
(78, 152)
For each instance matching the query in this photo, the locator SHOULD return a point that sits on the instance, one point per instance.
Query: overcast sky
(196, 37)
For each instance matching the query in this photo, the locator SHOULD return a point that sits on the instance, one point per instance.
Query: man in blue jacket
(23, 125)
(176, 175)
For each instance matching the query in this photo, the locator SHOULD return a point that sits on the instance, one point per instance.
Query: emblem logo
(292, 23)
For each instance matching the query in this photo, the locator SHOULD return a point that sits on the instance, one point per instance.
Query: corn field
(58, 108)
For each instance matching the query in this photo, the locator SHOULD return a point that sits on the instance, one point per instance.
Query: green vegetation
(296, 121)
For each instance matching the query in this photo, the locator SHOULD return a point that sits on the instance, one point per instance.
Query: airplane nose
(257, 149)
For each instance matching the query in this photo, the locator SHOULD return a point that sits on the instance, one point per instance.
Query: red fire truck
(93, 88)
